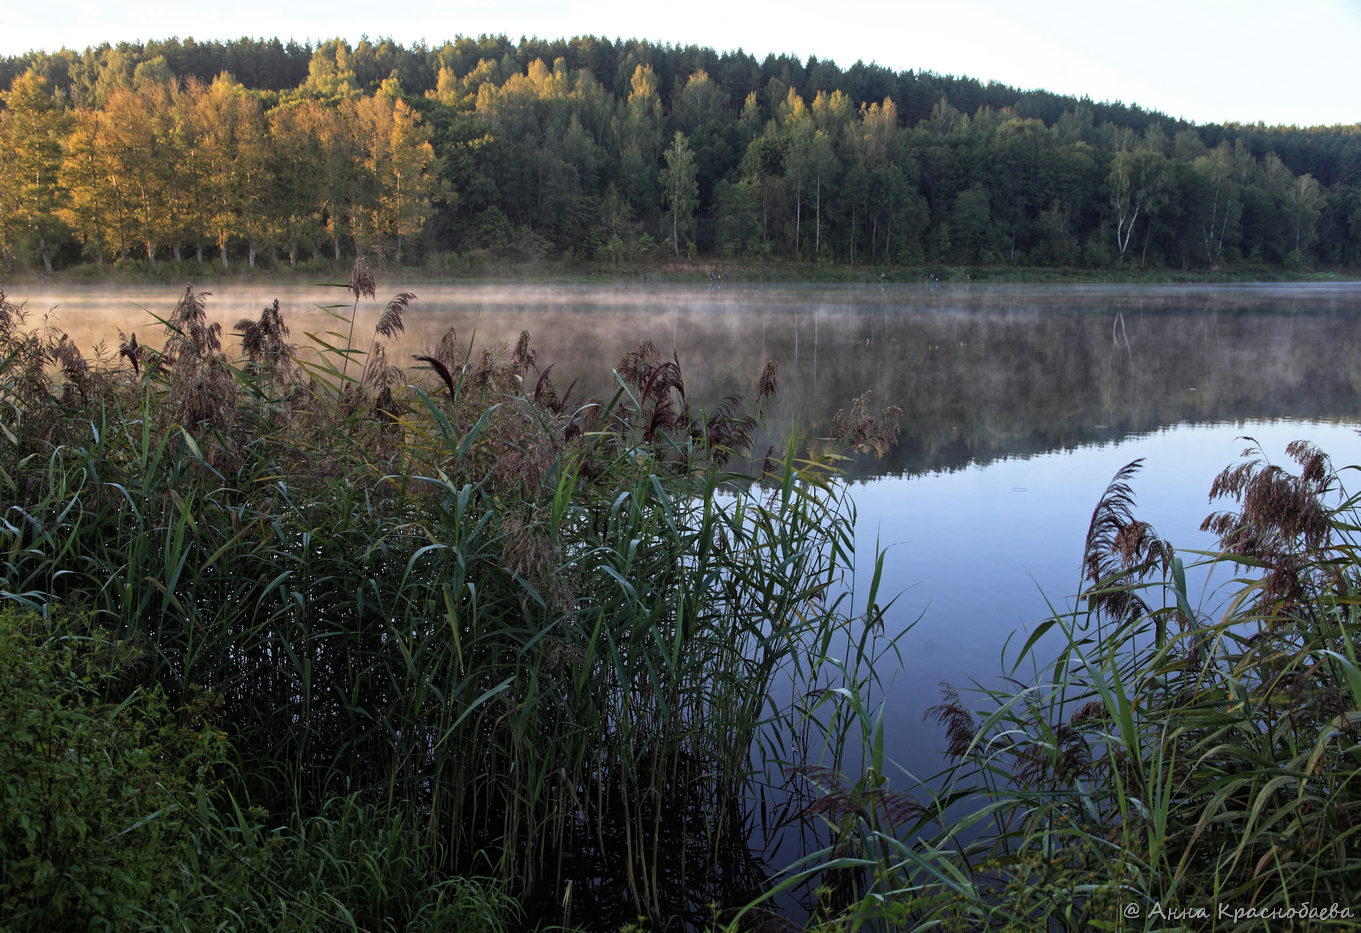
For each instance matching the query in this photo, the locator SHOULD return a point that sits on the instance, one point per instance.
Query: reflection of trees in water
(985, 383)
(979, 372)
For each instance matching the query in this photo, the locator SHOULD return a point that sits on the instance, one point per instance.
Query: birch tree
(680, 187)
(1216, 171)
(1138, 183)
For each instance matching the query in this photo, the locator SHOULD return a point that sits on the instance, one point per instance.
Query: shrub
(100, 790)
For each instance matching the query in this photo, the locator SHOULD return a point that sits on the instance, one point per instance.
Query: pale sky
(1206, 60)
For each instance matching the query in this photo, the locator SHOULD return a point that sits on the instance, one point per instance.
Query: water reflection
(981, 373)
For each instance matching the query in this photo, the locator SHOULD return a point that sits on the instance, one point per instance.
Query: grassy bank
(498, 268)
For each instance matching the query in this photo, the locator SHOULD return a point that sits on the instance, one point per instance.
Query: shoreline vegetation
(715, 272)
(346, 642)
(396, 646)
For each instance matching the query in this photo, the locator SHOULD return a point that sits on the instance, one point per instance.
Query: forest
(485, 151)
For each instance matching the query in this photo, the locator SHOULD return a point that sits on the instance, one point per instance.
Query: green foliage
(350, 867)
(115, 817)
(101, 783)
(485, 150)
(680, 190)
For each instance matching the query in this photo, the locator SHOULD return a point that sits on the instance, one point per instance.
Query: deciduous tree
(1138, 183)
(680, 188)
(32, 127)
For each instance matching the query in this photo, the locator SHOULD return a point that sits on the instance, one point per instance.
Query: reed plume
(1120, 548)
(442, 371)
(959, 724)
(191, 339)
(361, 282)
(390, 323)
(768, 384)
(268, 353)
(128, 348)
(1282, 521)
(638, 364)
(73, 365)
(525, 357)
(361, 285)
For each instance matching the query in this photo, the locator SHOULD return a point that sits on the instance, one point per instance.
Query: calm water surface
(1019, 404)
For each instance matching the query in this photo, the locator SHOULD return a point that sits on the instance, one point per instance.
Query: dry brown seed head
(361, 280)
(390, 322)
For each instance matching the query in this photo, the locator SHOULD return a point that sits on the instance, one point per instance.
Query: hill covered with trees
(614, 152)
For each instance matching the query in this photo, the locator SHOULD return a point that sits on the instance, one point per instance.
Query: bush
(98, 790)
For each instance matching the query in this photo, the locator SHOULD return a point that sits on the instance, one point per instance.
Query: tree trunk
(1123, 233)
(817, 222)
(855, 205)
(765, 215)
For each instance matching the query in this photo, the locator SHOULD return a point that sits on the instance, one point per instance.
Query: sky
(1208, 61)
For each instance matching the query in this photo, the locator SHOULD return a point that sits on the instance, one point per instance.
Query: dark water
(1018, 405)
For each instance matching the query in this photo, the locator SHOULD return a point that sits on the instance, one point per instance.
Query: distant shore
(717, 272)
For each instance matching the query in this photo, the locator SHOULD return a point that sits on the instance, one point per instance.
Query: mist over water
(1018, 403)
(980, 372)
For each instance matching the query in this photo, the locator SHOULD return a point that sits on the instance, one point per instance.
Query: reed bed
(472, 643)
(1147, 763)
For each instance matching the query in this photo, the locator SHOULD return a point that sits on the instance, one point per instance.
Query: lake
(1019, 403)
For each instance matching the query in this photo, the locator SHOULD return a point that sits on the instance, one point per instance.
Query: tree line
(621, 151)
